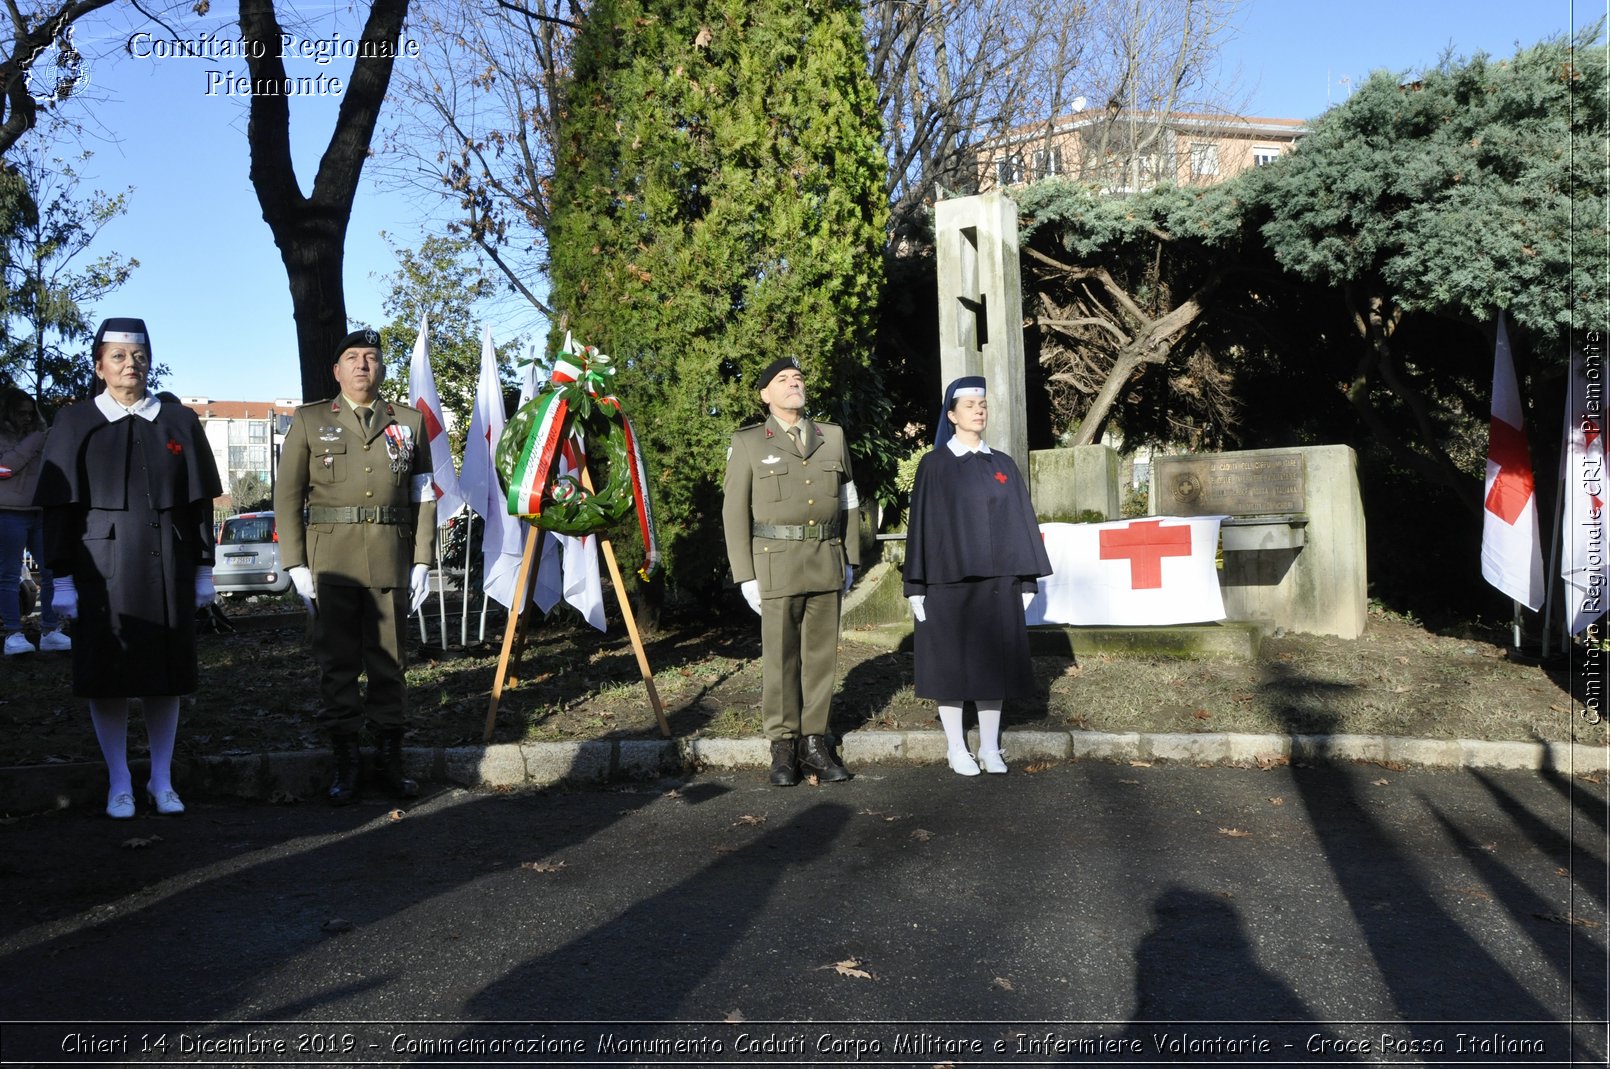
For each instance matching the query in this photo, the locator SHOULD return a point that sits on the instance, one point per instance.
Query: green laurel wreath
(567, 506)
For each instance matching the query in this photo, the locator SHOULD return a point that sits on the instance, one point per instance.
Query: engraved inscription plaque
(1230, 484)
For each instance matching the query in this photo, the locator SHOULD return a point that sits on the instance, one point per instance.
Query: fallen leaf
(1234, 833)
(396, 814)
(1037, 766)
(1277, 800)
(1266, 761)
(1140, 764)
(749, 819)
(1562, 871)
(336, 924)
(1380, 782)
(673, 793)
(140, 844)
(1589, 778)
(1003, 983)
(848, 967)
(811, 780)
(1558, 708)
(735, 1016)
(1201, 714)
(922, 835)
(542, 866)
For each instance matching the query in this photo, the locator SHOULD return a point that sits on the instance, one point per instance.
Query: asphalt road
(1086, 913)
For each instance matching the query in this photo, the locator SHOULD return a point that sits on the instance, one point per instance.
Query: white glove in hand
(916, 607)
(751, 593)
(849, 577)
(206, 593)
(302, 580)
(66, 599)
(1028, 598)
(418, 586)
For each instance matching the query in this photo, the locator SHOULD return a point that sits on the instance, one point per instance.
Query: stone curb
(294, 776)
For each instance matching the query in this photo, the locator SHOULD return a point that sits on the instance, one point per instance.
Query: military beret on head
(775, 368)
(367, 338)
(124, 330)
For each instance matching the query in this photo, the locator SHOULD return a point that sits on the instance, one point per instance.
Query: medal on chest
(399, 447)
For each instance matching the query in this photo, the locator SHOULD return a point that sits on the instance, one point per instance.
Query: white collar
(146, 408)
(956, 446)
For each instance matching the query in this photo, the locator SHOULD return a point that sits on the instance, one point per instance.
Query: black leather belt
(796, 532)
(358, 514)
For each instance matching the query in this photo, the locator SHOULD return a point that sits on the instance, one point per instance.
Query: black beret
(367, 338)
(775, 368)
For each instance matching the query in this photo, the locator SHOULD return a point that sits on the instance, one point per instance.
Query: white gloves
(302, 580)
(66, 599)
(916, 607)
(849, 577)
(206, 593)
(418, 586)
(1028, 598)
(751, 593)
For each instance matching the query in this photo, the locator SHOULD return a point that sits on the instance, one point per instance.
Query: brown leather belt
(796, 532)
(359, 514)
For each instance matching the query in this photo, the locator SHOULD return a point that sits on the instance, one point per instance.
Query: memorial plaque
(1228, 484)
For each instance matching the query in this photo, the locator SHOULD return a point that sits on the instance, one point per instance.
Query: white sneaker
(993, 761)
(16, 643)
(55, 642)
(120, 806)
(962, 763)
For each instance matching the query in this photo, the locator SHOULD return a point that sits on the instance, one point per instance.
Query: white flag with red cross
(422, 395)
(1511, 545)
(501, 545)
(1157, 570)
(1584, 560)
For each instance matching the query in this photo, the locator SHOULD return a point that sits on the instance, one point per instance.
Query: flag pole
(441, 586)
(1551, 573)
(464, 601)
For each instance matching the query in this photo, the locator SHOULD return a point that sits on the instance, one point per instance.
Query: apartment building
(245, 436)
(1130, 152)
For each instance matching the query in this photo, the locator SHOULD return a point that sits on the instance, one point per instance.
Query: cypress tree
(718, 203)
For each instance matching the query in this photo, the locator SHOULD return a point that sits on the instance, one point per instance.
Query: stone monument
(981, 310)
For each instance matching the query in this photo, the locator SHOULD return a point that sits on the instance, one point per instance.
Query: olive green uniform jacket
(768, 482)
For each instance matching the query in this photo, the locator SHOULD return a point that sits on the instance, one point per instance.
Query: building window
(257, 431)
(1204, 159)
(1048, 162)
(1262, 156)
(1009, 170)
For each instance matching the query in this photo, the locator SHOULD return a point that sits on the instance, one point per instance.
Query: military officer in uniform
(361, 556)
(789, 513)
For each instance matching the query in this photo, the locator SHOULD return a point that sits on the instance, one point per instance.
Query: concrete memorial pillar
(981, 310)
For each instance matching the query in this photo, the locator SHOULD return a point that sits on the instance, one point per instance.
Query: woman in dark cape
(127, 483)
(973, 553)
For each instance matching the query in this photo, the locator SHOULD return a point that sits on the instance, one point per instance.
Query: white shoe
(120, 806)
(993, 761)
(962, 763)
(55, 642)
(16, 643)
(167, 802)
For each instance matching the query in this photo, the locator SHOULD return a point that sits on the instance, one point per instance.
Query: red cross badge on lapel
(1000, 477)
(174, 447)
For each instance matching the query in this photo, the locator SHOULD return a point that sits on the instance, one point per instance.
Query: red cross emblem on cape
(1512, 487)
(1145, 544)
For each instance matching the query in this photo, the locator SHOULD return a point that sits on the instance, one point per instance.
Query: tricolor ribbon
(535, 477)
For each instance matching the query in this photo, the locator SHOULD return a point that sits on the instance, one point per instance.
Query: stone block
(638, 759)
(1189, 747)
(729, 753)
(1024, 746)
(1069, 484)
(1426, 753)
(1257, 750)
(871, 747)
(1478, 753)
(1105, 745)
(925, 747)
(501, 765)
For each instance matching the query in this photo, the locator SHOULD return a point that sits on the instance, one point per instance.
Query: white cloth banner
(1511, 545)
(1584, 562)
(501, 544)
(423, 396)
(1157, 570)
(569, 566)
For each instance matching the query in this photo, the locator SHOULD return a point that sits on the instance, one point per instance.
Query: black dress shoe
(784, 763)
(816, 758)
(344, 785)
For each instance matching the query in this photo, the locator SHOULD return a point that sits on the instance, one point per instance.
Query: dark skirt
(974, 644)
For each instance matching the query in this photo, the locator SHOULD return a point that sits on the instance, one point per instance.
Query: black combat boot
(344, 787)
(816, 758)
(389, 762)
(784, 763)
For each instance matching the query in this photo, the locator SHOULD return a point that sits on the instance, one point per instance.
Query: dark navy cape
(973, 548)
(128, 515)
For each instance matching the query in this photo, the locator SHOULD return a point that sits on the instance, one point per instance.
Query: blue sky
(213, 291)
